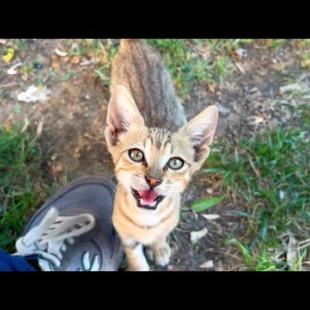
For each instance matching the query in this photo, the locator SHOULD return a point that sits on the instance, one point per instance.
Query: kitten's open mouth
(147, 199)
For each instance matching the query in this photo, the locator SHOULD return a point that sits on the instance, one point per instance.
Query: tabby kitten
(154, 150)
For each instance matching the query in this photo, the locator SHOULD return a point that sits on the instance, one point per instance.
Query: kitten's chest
(144, 228)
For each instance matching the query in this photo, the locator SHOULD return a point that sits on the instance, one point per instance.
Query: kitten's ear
(200, 130)
(122, 115)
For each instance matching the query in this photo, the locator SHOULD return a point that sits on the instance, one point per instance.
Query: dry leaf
(211, 88)
(7, 126)
(39, 129)
(26, 125)
(55, 63)
(305, 64)
(196, 235)
(292, 251)
(204, 51)
(86, 62)
(210, 217)
(75, 60)
(57, 169)
(60, 53)
(239, 67)
(279, 66)
(12, 70)
(255, 120)
(207, 265)
(33, 94)
(289, 88)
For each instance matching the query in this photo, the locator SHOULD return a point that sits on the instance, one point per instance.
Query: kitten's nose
(152, 181)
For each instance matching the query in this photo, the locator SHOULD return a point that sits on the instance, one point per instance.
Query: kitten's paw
(149, 254)
(162, 255)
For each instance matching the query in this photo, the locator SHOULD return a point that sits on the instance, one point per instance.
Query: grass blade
(205, 204)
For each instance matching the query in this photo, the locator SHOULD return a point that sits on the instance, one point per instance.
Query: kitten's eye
(136, 155)
(175, 163)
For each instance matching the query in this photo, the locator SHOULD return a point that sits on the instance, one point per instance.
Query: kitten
(154, 150)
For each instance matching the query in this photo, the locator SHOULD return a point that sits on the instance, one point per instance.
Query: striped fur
(141, 70)
(145, 114)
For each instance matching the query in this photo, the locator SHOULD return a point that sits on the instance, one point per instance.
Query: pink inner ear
(200, 148)
(199, 151)
(115, 133)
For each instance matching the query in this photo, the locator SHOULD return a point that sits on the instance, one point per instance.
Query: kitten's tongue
(148, 197)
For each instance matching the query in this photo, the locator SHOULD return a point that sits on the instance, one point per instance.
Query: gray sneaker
(73, 230)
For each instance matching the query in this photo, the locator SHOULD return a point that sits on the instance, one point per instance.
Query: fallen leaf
(204, 51)
(210, 217)
(255, 120)
(75, 60)
(86, 62)
(12, 70)
(239, 67)
(33, 94)
(211, 88)
(279, 66)
(57, 169)
(56, 65)
(289, 88)
(205, 204)
(8, 57)
(305, 63)
(26, 125)
(39, 129)
(196, 235)
(7, 126)
(207, 265)
(292, 251)
(60, 53)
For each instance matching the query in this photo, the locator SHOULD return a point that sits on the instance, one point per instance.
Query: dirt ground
(73, 118)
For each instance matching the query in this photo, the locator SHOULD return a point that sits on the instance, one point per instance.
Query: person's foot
(73, 230)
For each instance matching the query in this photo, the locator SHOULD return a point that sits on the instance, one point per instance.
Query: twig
(253, 167)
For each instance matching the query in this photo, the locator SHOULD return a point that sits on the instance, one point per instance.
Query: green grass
(21, 186)
(189, 67)
(184, 68)
(265, 176)
(269, 176)
(20, 44)
(191, 62)
(107, 52)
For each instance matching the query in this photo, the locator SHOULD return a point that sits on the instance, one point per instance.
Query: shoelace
(49, 237)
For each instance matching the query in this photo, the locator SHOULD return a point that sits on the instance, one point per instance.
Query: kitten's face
(154, 164)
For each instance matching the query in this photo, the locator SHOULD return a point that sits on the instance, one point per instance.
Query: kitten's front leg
(160, 251)
(135, 258)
